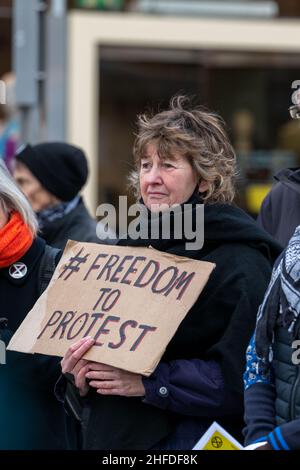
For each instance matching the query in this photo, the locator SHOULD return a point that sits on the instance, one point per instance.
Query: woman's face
(3, 217)
(37, 195)
(165, 182)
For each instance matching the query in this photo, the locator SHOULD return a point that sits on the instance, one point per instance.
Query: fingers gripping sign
(73, 363)
(108, 380)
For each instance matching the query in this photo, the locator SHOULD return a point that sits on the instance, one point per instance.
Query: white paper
(222, 441)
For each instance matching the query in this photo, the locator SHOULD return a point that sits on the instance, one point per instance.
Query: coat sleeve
(260, 415)
(234, 306)
(212, 385)
(261, 423)
(191, 387)
(259, 412)
(286, 436)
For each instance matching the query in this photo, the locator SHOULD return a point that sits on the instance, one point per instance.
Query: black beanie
(60, 168)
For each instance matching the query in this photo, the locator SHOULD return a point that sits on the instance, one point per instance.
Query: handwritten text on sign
(130, 300)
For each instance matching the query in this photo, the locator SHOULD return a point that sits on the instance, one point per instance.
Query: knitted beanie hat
(60, 168)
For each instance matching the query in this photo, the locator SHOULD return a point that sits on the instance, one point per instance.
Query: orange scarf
(15, 239)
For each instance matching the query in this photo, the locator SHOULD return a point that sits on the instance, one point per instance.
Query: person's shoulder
(79, 224)
(280, 192)
(277, 191)
(242, 261)
(80, 213)
(236, 251)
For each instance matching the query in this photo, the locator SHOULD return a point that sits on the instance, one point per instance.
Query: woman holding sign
(30, 417)
(184, 159)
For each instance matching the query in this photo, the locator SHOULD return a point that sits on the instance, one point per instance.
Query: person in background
(183, 156)
(30, 416)
(272, 386)
(280, 211)
(52, 175)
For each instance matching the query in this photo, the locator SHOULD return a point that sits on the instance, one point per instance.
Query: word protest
(130, 300)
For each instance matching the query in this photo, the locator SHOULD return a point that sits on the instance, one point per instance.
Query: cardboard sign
(216, 438)
(130, 300)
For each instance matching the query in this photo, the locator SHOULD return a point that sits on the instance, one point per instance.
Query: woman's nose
(154, 175)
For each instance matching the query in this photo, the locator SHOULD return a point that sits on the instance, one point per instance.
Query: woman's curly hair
(195, 133)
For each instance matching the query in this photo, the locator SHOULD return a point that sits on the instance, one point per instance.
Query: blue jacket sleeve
(259, 412)
(191, 387)
(286, 436)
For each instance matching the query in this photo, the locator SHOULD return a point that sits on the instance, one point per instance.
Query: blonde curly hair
(196, 134)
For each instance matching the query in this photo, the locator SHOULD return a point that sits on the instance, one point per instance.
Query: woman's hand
(73, 364)
(109, 380)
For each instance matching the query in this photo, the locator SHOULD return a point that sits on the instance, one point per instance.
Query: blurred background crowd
(81, 70)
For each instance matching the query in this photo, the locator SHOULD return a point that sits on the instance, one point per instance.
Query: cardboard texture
(131, 300)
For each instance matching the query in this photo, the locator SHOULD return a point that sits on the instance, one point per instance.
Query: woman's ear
(203, 186)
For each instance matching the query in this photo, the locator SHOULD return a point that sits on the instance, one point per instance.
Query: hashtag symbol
(74, 265)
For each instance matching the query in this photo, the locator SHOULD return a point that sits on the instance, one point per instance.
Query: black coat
(217, 327)
(280, 211)
(77, 225)
(30, 416)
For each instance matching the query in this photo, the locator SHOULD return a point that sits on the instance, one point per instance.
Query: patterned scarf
(281, 303)
(15, 239)
(47, 216)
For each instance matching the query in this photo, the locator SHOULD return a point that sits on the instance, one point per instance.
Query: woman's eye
(145, 165)
(168, 165)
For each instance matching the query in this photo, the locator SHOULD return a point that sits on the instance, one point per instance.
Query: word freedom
(139, 272)
(162, 222)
